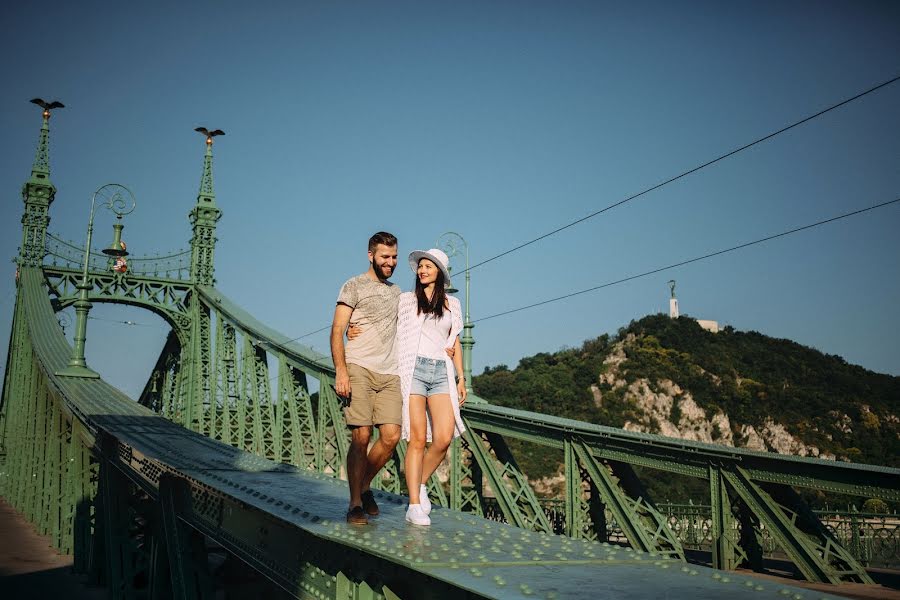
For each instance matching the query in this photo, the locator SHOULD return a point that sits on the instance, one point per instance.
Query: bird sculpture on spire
(47, 106)
(209, 134)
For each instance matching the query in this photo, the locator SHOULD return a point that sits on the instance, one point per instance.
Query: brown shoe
(368, 503)
(356, 516)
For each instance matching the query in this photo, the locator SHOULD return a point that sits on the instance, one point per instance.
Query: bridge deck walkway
(284, 520)
(490, 559)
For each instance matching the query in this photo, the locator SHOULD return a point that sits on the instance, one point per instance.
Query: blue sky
(498, 120)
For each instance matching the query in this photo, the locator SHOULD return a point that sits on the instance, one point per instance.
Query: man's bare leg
(357, 463)
(380, 453)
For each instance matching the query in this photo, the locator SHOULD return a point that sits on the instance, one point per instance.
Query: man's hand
(450, 351)
(342, 314)
(342, 383)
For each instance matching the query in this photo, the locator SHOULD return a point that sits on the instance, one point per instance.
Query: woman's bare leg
(415, 448)
(443, 421)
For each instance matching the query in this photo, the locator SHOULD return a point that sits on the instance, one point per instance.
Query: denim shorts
(429, 377)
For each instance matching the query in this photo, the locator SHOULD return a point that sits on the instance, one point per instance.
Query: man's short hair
(382, 237)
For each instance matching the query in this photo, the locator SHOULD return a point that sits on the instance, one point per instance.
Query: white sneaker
(417, 516)
(423, 499)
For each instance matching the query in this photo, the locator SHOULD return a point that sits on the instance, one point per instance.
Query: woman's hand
(354, 331)
(461, 390)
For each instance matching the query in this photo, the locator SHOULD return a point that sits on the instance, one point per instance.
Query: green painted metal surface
(131, 488)
(288, 523)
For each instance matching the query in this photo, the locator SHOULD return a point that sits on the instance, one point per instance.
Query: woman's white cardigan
(409, 331)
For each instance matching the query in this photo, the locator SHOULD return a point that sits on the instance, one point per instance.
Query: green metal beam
(511, 488)
(726, 552)
(688, 458)
(816, 552)
(644, 527)
(188, 563)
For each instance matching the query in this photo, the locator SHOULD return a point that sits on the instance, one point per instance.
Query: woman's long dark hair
(436, 305)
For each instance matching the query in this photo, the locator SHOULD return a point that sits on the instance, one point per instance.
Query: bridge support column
(187, 559)
(580, 522)
(643, 525)
(333, 440)
(511, 488)
(198, 387)
(255, 391)
(811, 547)
(295, 424)
(726, 554)
(81, 488)
(465, 479)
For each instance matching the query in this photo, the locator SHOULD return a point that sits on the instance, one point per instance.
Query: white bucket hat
(438, 257)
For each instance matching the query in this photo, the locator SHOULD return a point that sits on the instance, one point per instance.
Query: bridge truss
(138, 491)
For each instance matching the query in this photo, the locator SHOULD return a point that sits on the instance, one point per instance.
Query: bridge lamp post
(455, 245)
(115, 198)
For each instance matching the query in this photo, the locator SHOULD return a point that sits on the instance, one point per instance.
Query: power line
(660, 269)
(690, 171)
(120, 322)
(299, 337)
(653, 188)
(689, 261)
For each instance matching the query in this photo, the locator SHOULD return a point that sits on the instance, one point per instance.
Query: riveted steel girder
(188, 563)
(688, 458)
(167, 298)
(815, 551)
(726, 552)
(644, 527)
(513, 492)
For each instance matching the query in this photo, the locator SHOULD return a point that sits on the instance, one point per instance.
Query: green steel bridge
(210, 472)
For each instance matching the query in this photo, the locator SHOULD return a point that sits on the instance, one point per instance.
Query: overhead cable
(690, 171)
(689, 261)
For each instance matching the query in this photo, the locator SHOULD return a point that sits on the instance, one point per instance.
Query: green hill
(740, 388)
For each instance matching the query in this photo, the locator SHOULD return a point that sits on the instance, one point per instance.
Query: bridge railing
(66, 254)
(223, 387)
(872, 538)
(146, 506)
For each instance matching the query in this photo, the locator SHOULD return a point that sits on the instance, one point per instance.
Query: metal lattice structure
(211, 456)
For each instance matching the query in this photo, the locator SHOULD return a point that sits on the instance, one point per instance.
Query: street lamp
(454, 245)
(113, 197)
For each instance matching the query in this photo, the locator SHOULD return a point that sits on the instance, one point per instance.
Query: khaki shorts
(374, 398)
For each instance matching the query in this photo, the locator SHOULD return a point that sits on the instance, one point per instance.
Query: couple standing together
(402, 371)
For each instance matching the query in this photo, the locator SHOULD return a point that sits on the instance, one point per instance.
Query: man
(366, 371)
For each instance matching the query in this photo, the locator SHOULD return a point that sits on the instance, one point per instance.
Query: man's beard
(379, 272)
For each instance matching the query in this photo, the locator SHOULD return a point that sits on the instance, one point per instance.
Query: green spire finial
(38, 194)
(40, 170)
(203, 218)
(207, 191)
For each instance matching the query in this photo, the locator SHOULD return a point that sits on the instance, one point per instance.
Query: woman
(428, 326)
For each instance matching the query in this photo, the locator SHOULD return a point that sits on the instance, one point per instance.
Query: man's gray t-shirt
(374, 305)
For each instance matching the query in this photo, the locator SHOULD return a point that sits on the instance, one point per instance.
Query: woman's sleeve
(456, 315)
(401, 311)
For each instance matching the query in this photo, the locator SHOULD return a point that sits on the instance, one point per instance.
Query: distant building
(711, 326)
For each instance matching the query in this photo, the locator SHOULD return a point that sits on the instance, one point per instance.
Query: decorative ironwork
(60, 438)
(203, 217)
(113, 197)
(872, 538)
(66, 254)
(38, 194)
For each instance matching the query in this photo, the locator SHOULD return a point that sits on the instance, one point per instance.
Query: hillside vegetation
(738, 388)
